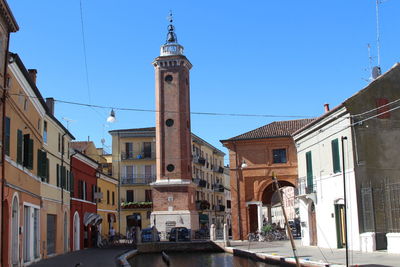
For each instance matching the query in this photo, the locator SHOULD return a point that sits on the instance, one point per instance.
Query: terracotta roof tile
(274, 129)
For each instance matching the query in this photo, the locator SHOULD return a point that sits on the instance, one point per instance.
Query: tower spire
(171, 46)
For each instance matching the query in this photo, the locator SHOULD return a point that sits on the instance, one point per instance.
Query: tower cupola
(171, 47)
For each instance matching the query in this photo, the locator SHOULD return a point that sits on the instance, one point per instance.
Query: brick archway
(268, 190)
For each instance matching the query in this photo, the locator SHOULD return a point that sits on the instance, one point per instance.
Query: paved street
(333, 256)
(86, 258)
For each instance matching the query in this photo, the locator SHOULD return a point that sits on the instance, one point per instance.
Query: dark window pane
(279, 155)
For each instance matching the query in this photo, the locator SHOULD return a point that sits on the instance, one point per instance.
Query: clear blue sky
(257, 57)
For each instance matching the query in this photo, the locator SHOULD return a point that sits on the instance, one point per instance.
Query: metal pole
(345, 202)
(238, 193)
(286, 220)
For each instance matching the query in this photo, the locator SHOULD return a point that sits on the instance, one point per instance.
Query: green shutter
(335, 156)
(20, 140)
(30, 154)
(26, 149)
(47, 170)
(7, 136)
(39, 163)
(310, 178)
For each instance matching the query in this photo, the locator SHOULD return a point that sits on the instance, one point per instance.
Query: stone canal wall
(194, 246)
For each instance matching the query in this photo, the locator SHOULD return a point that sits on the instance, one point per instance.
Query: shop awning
(203, 218)
(91, 218)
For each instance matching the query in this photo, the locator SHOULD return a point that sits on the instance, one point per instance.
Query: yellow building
(133, 162)
(208, 173)
(37, 166)
(56, 184)
(107, 206)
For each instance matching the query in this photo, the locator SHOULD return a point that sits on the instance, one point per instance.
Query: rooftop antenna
(369, 69)
(68, 121)
(378, 44)
(376, 70)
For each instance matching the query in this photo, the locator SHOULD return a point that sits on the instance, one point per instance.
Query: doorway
(51, 234)
(76, 232)
(14, 233)
(340, 225)
(133, 221)
(312, 225)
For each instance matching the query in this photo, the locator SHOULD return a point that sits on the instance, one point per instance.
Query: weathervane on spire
(170, 18)
(171, 37)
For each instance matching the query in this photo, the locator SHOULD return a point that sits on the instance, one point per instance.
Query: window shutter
(383, 108)
(47, 170)
(71, 176)
(26, 149)
(58, 175)
(19, 146)
(7, 136)
(68, 181)
(335, 156)
(310, 179)
(80, 189)
(30, 154)
(63, 178)
(39, 164)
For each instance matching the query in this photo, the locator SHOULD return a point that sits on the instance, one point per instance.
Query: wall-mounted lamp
(244, 164)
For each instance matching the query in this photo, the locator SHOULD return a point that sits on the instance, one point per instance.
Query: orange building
(254, 156)
(7, 26)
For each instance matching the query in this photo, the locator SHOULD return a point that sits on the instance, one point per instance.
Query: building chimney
(50, 104)
(33, 74)
(326, 108)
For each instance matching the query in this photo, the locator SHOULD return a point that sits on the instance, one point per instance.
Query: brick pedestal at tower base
(174, 206)
(165, 220)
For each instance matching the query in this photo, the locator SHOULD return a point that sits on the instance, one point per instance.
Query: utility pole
(345, 202)
(286, 220)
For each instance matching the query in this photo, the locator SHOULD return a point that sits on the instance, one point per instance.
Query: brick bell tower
(173, 192)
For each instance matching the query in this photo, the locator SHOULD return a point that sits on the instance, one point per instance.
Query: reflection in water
(194, 259)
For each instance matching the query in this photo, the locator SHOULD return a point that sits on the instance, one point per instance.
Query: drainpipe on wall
(238, 191)
(3, 151)
(62, 164)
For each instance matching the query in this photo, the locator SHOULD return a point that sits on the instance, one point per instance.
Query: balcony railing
(303, 188)
(219, 208)
(138, 155)
(218, 188)
(138, 179)
(199, 160)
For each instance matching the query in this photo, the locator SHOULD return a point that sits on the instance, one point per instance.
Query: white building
(321, 190)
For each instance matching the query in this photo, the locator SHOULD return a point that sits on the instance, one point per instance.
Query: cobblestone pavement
(92, 257)
(332, 256)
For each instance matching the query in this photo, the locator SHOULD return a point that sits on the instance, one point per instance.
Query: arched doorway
(65, 232)
(14, 232)
(76, 232)
(271, 202)
(312, 221)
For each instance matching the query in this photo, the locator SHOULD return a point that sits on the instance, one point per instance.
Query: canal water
(195, 259)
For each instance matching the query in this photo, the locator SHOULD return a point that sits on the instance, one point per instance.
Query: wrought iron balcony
(218, 188)
(199, 160)
(218, 169)
(144, 155)
(219, 208)
(138, 179)
(305, 189)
